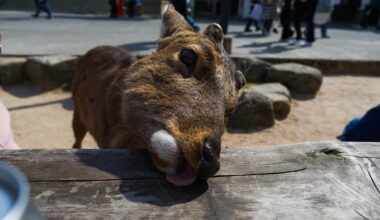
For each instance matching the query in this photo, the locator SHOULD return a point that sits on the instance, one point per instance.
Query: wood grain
(322, 180)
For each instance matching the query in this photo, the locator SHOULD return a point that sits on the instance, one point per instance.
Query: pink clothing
(6, 136)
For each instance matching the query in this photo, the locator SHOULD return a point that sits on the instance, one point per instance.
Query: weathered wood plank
(44, 165)
(324, 180)
(39, 165)
(307, 194)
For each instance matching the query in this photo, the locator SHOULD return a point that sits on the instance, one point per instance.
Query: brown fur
(122, 102)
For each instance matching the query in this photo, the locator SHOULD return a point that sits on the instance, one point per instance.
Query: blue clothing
(365, 129)
(324, 29)
(324, 6)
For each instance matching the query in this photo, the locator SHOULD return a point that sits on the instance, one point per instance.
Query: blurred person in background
(285, 20)
(371, 15)
(131, 8)
(44, 6)
(304, 8)
(182, 8)
(113, 5)
(250, 20)
(323, 15)
(138, 7)
(359, 15)
(6, 135)
(269, 15)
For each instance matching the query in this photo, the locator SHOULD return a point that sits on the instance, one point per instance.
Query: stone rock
(254, 110)
(296, 77)
(272, 88)
(50, 71)
(253, 69)
(11, 70)
(279, 95)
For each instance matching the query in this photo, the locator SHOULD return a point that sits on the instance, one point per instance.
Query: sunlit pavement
(75, 34)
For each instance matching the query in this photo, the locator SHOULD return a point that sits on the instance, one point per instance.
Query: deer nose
(209, 160)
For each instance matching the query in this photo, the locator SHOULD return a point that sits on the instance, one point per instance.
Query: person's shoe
(49, 17)
(325, 36)
(303, 43)
(35, 16)
(293, 42)
(248, 30)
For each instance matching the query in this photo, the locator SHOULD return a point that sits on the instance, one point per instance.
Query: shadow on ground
(247, 131)
(140, 180)
(140, 46)
(303, 96)
(104, 17)
(240, 34)
(66, 104)
(27, 90)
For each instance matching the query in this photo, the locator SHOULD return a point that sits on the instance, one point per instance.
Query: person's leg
(38, 8)
(261, 25)
(113, 9)
(131, 8)
(248, 25)
(285, 21)
(374, 17)
(268, 25)
(364, 22)
(324, 30)
(45, 7)
(298, 11)
(310, 12)
(257, 27)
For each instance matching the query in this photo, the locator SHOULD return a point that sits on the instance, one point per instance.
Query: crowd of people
(130, 5)
(266, 15)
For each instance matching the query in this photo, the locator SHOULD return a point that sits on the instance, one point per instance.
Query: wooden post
(226, 5)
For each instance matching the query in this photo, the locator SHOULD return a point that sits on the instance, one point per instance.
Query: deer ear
(215, 33)
(173, 22)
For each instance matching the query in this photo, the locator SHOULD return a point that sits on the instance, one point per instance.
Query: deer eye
(188, 56)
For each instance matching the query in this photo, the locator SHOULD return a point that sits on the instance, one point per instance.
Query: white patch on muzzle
(166, 148)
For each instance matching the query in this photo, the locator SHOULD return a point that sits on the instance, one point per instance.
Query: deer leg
(79, 130)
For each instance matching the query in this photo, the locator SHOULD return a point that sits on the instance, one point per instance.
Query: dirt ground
(42, 119)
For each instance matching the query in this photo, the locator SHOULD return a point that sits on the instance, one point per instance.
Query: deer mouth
(178, 170)
(185, 175)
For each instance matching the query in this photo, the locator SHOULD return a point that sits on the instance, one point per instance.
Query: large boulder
(50, 71)
(254, 110)
(278, 94)
(11, 70)
(296, 77)
(253, 69)
(272, 88)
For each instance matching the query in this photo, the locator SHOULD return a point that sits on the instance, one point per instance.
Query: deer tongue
(183, 178)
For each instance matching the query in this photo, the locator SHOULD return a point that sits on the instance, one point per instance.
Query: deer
(172, 103)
